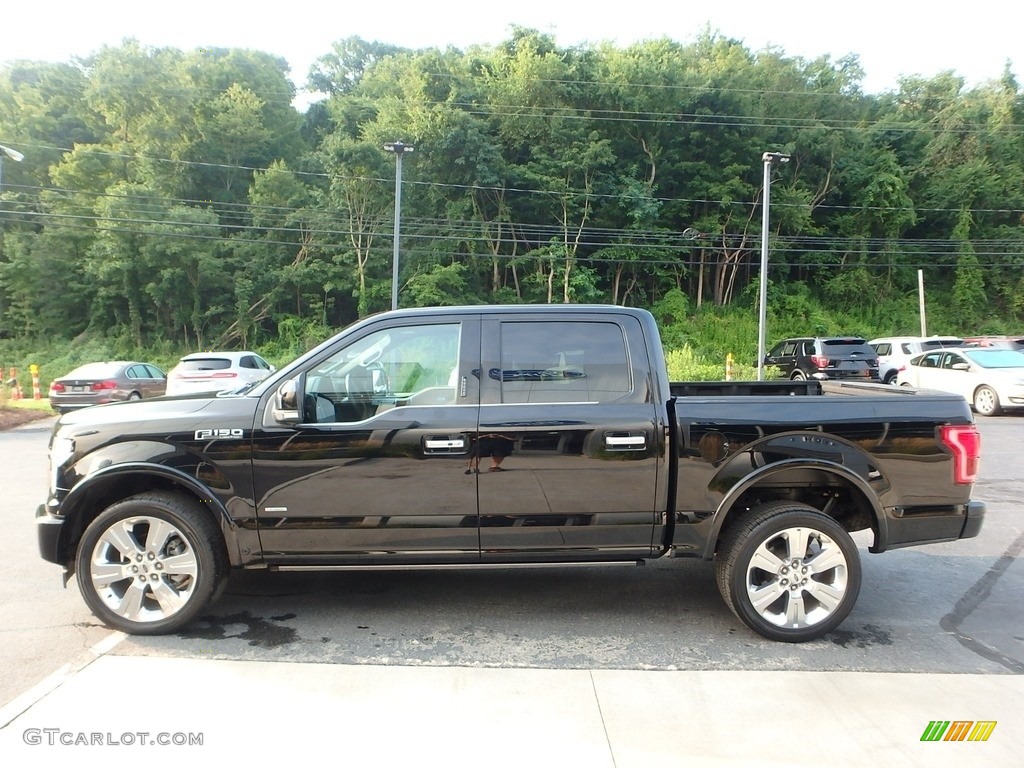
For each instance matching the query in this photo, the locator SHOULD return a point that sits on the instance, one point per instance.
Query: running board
(453, 566)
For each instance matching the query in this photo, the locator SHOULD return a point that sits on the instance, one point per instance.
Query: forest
(171, 201)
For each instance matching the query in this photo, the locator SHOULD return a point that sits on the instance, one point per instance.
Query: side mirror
(961, 367)
(286, 403)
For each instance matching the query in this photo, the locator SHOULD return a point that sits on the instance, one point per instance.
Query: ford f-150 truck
(496, 436)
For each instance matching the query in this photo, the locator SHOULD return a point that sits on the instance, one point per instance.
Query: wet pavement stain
(260, 632)
(869, 636)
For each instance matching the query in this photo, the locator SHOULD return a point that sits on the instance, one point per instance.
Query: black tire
(890, 378)
(150, 564)
(134, 396)
(986, 401)
(756, 559)
(798, 376)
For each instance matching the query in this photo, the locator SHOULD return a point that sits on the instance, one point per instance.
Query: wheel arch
(826, 486)
(89, 498)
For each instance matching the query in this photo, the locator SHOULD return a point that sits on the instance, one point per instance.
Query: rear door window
(562, 362)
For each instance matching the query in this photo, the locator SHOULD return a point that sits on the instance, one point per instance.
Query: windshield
(996, 358)
(203, 364)
(848, 348)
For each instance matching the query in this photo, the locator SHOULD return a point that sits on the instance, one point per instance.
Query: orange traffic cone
(36, 392)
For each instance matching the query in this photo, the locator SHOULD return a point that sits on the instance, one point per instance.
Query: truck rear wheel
(149, 564)
(788, 571)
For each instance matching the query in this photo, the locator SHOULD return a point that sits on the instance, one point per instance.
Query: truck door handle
(625, 442)
(444, 444)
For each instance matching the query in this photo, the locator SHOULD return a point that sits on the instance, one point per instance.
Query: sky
(892, 38)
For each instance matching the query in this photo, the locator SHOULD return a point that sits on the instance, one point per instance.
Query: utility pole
(769, 159)
(399, 148)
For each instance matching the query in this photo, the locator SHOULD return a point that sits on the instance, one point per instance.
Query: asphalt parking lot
(554, 654)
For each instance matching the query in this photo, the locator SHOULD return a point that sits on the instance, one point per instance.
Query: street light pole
(14, 154)
(399, 149)
(769, 159)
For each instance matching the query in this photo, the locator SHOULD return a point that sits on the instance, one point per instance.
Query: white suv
(894, 351)
(216, 372)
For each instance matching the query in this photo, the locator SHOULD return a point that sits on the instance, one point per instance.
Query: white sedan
(990, 379)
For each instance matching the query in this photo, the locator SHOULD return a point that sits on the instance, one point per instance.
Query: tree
(969, 296)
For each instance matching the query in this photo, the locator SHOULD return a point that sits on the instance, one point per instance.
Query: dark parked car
(833, 357)
(96, 383)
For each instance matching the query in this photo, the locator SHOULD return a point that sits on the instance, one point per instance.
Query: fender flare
(763, 473)
(72, 504)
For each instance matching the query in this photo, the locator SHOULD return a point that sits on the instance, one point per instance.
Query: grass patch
(30, 403)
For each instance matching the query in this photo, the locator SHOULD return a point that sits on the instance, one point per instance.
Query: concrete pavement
(367, 715)
(362, 715)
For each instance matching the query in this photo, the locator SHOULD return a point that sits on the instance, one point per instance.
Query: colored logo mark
(958, 730)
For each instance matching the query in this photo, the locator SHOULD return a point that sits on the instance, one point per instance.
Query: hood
(161, 415)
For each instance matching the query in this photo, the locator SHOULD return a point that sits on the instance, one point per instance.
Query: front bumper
(48, 529)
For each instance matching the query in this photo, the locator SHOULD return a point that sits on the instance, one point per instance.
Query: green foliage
(684, 365)
(295, 336)
(174, 200)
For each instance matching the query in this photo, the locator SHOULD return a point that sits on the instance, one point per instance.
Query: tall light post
(769, 159)
(399, 148)
(14, 154)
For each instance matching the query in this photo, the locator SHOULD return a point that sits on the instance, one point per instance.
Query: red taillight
(965, 443)
(56, 387)
(100, 386)
(819, 361)
(225, 375)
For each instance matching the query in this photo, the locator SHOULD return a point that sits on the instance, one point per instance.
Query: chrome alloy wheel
(797, 578)
(143, 569)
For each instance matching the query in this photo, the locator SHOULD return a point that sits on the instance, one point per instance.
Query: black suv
(833, 357)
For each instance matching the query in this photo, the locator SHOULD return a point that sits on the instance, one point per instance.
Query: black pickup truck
(495, 436)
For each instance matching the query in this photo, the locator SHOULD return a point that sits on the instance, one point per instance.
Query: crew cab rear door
(567, 450)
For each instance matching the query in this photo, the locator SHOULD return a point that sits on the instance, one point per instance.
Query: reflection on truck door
(571, 396)
(370, 475)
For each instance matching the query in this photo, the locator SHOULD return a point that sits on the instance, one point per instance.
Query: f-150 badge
(219, 434)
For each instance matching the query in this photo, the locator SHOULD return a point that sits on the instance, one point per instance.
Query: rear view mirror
(961, 367)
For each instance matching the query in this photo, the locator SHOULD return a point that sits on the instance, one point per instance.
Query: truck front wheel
(788, 571)
(149, 564)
